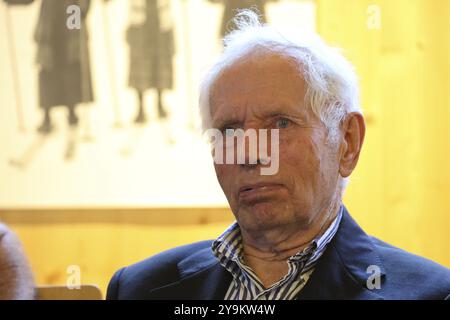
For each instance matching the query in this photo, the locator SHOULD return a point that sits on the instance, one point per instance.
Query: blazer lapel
(202, 278)
(341, 273)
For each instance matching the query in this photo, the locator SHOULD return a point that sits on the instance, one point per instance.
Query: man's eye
(229, 132)
(283, 123)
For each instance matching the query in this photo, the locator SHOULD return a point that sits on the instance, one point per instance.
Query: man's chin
(266, 214)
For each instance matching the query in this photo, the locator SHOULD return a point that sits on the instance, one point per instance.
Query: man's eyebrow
(290, 114)
(223, 123)
(273, 114)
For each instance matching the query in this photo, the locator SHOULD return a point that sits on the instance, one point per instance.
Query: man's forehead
(269, 81)
(259, 67)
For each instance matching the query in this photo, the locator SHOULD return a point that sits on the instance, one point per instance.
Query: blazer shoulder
(135, 281)
(411, 276)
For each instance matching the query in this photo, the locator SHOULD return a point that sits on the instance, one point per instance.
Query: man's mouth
(256, 192)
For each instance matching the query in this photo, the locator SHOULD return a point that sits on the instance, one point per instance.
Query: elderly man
(293, 238)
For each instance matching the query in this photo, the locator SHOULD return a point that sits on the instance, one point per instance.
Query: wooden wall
(100, 241)
(400, 190)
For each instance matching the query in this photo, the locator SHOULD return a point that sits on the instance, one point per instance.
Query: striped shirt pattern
(228, 250)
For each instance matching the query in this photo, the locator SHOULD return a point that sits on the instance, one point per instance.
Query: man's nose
(254, 148)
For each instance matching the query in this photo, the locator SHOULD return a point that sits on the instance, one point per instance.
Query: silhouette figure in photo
(151, 42)
(63, 59)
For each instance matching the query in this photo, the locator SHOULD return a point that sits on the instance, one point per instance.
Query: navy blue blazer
(192, 272)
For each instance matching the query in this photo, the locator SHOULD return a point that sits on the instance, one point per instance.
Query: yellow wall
(100, 241)
(399, 191)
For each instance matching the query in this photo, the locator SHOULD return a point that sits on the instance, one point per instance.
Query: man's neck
(267, 255)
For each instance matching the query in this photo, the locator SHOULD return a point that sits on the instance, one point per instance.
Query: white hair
(332, 88)
(332, 85)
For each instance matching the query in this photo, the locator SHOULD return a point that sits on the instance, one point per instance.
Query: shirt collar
(228, 246)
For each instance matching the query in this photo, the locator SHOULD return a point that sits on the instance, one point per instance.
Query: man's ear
(353, 131)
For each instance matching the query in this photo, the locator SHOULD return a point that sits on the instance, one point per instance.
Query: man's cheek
(219, 170)
(222, 177)
(288, 159)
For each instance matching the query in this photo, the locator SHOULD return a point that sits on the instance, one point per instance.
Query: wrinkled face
(267, 92)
